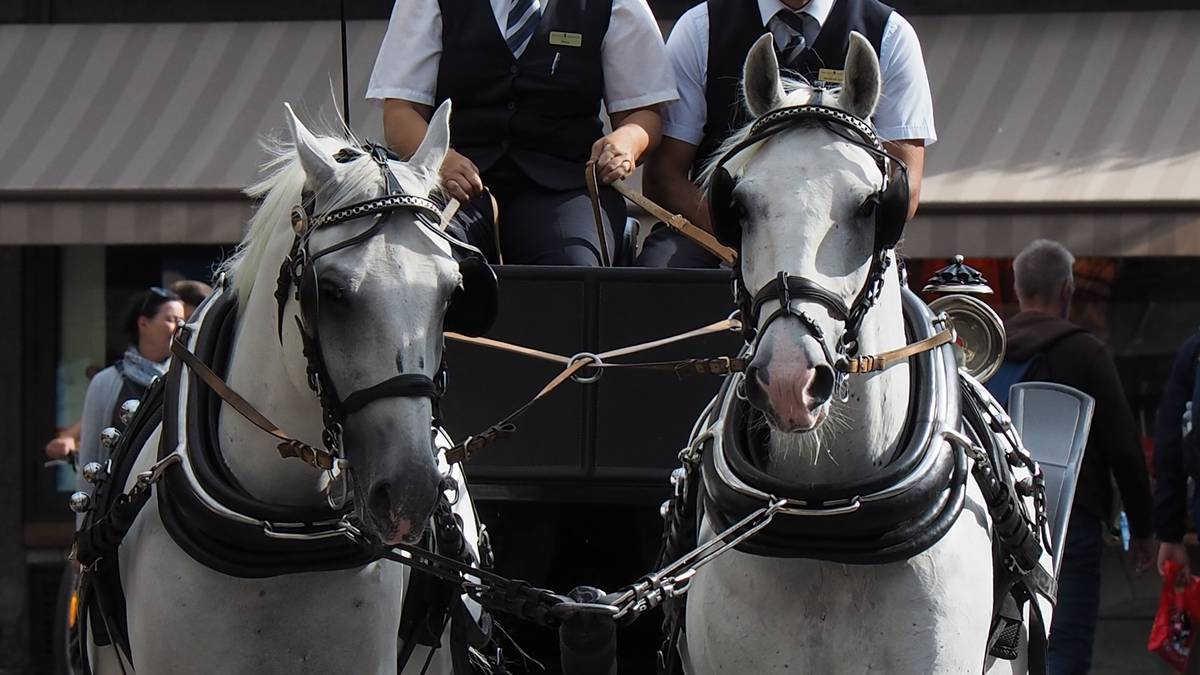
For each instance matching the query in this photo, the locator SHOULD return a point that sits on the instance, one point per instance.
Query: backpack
(1009, 373)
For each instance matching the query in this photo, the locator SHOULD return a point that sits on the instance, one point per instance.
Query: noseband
(891, 206)
(298, 274)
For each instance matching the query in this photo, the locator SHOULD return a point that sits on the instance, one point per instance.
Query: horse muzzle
(783, 382)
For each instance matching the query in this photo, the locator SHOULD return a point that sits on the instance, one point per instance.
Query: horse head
(372, 301)
(803, 198)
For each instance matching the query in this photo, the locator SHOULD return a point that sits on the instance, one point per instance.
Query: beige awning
(1064, 108)
(1042, 118)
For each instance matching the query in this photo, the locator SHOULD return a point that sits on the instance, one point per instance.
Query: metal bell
(128, 410)
(80, 502)
(664, 509)
(109, 437)
(93, 472)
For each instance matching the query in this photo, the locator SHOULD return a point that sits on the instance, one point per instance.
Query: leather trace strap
(593, 188)
(872, 363)
(678, 223)
(288, 445)
(574, 364)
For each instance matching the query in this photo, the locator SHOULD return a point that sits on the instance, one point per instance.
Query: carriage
(739, 541)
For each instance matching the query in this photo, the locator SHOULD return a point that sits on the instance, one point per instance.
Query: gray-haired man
(1043, 345)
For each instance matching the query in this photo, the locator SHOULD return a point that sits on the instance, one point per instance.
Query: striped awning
(1064, 108)
(1045, 121)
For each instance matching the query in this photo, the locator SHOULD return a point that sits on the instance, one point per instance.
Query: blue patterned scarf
(139, 368)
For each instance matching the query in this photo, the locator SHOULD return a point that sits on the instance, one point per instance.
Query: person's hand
(1141, 551)
(1172, 551)
(613, 158)
(460, 177)
(60, 447)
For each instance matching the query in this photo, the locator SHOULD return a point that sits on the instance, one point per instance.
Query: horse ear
(436, 144)
(760, 78)
(317, 165)
(860, 91)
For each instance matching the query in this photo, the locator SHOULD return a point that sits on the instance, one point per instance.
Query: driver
(707, 49)
(526, 78)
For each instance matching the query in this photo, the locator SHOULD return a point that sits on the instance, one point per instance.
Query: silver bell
(109, 437)
(128, 409)
(664, 509)
(92, 472)
(80, 502)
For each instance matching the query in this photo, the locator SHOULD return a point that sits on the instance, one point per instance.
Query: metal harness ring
(587, 357)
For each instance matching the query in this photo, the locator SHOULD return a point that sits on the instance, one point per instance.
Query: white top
(634, 59)
(905, 109)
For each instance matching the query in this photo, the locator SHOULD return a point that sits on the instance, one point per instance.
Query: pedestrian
(192, 293)
(1043, 345)
(149, 322)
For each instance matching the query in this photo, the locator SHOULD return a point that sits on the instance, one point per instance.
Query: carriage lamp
(93, 472)
(109, 437)
(979, 332)
(80, 502)
(128, 410)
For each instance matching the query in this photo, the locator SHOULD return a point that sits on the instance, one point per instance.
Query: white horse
(382, 307)
(801, 193)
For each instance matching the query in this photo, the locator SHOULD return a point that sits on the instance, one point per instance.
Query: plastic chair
(1053, 421)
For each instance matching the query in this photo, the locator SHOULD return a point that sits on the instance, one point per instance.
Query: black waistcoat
(542, 110)
(734, 25)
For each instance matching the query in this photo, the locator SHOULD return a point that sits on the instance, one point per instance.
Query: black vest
(734, 25)
(542, 110)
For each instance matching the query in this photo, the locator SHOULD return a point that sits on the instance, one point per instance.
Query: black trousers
(667, 248)
(537, 225)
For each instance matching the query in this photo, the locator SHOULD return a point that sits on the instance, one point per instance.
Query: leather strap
(288, 446)
(593, 188)
(678, 223)
(403, 385)
(871, 363)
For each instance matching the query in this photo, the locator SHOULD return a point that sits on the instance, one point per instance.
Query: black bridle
(890, 203)
(298, 279)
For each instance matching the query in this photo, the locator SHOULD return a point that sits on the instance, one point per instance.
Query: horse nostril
(380, 503)
(820, 388)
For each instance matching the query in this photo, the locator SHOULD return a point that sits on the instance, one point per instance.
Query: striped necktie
(523, 19)
(793, 33)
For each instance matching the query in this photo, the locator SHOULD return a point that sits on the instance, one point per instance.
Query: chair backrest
(1053, 421)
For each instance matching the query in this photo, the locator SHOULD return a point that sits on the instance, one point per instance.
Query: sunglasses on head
(156, 292)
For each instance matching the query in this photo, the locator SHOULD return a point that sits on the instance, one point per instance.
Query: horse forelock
(281, 188)
(797, 92)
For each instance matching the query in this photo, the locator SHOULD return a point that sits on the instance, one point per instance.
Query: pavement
(1127, 607)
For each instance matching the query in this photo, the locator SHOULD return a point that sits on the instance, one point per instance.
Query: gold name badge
(560, 39)
(831, 76)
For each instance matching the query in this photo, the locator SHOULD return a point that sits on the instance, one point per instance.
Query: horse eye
(333, 292)
(867, 208)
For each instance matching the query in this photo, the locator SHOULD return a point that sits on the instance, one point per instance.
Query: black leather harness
(900, 512)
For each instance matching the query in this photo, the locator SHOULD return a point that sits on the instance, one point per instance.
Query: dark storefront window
(1142, 308)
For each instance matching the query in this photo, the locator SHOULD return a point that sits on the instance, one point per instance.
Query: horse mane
(797, 91)
(281, 187)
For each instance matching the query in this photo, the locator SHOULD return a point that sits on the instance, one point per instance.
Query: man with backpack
(1044, 346)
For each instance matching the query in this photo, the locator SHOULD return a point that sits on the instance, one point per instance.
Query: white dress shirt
(905, 110)
(636, 73)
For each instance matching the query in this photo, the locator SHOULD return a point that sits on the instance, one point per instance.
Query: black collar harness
(953, 429)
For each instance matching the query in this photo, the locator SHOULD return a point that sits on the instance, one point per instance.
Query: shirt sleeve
(905, 110)
(407, 64)
(634, 59)
(687, 51)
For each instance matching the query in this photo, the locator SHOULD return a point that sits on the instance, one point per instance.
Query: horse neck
(260, 370)
(862, 432)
